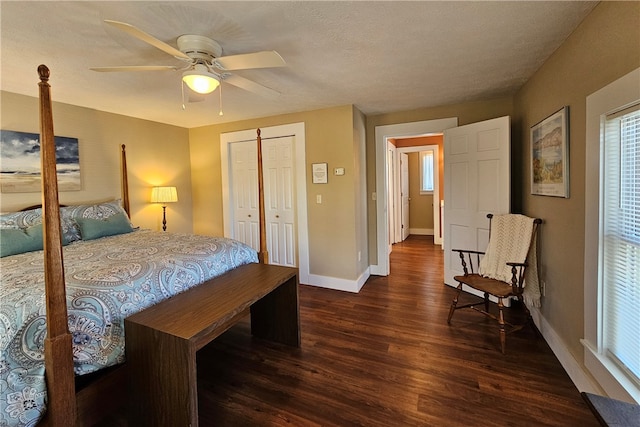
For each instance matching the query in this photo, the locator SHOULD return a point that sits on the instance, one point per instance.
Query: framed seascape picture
(20, 162)
(550, 155)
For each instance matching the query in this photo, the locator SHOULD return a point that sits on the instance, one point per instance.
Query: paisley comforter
(107, 280)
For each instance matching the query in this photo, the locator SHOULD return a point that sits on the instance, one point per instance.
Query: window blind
(426, 166)
(621, 241)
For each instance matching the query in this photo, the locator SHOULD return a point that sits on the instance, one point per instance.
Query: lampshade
(164, 195)
(200, 79)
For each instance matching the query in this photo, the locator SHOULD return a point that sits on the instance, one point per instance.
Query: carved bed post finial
(44, 73)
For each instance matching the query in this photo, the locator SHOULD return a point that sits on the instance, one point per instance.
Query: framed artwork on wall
(20, 162)
(550, 155)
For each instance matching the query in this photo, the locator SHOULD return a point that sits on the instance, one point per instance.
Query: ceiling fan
(204, 66)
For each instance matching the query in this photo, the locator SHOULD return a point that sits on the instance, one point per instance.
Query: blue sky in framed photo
(20, 162)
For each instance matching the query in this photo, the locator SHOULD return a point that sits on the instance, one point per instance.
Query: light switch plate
(338, 171)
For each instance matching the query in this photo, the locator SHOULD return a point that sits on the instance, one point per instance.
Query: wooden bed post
(124, 181)
(263, 255)
(61, 405)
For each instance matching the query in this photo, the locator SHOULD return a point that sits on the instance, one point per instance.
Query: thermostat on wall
(338, 171)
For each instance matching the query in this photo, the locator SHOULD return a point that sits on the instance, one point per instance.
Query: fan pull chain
(182, 89)
(221, 113)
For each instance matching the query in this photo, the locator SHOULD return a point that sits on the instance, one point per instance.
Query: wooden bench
(162, 341)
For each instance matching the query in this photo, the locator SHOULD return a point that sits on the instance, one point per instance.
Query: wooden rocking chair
(511, 245)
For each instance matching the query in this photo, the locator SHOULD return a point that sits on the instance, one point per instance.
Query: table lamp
(164, 195)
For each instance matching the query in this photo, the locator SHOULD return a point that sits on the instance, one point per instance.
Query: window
(620, 242)
(612, 241)
(426, 172)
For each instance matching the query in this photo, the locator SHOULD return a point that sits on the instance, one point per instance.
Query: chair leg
(486, 302)
(503, 334)
(454, 303)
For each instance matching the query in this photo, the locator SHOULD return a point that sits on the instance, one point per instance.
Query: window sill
(612, 380)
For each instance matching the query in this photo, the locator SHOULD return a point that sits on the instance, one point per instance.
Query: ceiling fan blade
(136, 68)
(148, 38)
(264, 59)
(249, 85)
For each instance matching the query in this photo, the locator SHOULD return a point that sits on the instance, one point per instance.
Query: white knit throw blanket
(511, 241)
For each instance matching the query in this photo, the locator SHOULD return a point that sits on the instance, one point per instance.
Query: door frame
(382, 134)
(391, 159)
(403, 183)
(436, 183)
(297, 131)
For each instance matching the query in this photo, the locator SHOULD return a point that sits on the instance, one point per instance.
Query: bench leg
(276, 316)
(162, 378)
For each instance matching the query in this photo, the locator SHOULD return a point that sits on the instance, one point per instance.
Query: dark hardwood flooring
(386, 357)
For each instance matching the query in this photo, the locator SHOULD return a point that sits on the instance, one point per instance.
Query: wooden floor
(386, 357)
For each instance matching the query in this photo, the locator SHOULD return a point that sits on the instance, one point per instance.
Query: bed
(60, 319)
(107, 279)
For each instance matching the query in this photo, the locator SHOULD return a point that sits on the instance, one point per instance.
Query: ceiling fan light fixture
(200, 80)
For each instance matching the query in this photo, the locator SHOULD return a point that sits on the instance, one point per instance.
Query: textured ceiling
(380, 56)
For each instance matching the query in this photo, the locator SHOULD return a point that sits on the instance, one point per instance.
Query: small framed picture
(550, 155)
(319, 172)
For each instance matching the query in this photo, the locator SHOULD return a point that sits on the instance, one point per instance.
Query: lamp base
(164, 218)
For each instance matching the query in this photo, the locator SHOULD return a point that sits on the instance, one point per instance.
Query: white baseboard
(578, 374)
(421, 231)
(339, 284)
(376, 270)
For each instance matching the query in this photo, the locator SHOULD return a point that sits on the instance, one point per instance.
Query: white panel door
(279, 200)
(244, 187)
(477, 181)
(404, 193)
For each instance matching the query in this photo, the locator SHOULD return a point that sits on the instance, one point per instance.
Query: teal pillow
(95, 228)
(69, 214)
(16, 240)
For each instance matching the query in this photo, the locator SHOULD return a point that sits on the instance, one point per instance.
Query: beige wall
(466, 113)
(334, 224)
(603, 48)
(157, 154)
(421, 205)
